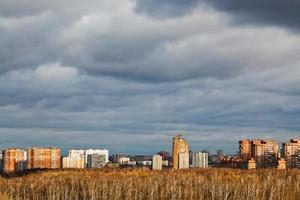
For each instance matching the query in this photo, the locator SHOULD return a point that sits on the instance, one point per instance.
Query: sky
(128, 75)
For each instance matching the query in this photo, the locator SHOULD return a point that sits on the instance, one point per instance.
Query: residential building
(44, 158)
(265, 152)
(165, 155)
(74, 160)
(180, 152)
(245, 149)
(144, 162)
(291, 153)
(13, 160)
(200, 160)
(157, 162)
(183, 161)
(96, 160)
(73, 163)
(123, 160)
(117, 156)
(89, 152)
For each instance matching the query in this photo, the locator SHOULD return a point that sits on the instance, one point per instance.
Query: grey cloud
(272, 12)
(100, 71)
(165, 8)
(263, 12)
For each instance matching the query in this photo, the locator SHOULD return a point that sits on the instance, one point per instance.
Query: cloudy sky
(129, 74)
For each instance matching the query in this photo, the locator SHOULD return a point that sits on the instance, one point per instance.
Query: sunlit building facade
(14, 160)
(180, 153)
(43, 158)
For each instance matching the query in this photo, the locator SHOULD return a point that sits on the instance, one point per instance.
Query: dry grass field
(219, 184)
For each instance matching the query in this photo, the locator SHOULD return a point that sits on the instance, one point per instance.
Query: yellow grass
(146, 184)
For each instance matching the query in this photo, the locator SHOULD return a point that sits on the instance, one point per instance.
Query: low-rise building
(281, 164)
(183, 161)
(251, 164)
(157, 162)
(200, 160)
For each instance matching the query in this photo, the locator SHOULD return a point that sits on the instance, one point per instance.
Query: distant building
(200, 160)
(73, 163)
(180, 153)
(265, 152)
(76, 153)
(165, 155)
(14, 160)
(74, 160)
(1, 161)
(190, 157)
(165, 163)
(141, 158)
(157, 162)
(117, 156)
(291, 153)
(89, 152)
(245, 149)
(43, 158)
(281, 164)
(124, 160)
(251, 164)
(220, 155)
(183, 161)
(144, 162)
(96, 160)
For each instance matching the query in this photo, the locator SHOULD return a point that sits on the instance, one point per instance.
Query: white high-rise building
(200, 160)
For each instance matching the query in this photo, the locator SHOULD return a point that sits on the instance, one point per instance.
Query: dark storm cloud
(273, 12)
(264, 12)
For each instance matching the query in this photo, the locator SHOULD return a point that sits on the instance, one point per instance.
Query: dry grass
(145, 184)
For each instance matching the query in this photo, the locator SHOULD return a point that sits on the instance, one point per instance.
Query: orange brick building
(245, 149)
(43, 158)
(14, 160)
(264, 152)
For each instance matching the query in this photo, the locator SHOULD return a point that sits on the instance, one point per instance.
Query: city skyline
(125, 75)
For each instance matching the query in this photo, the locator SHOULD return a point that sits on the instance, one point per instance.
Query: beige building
(251, 164)
(180, 153)
(73, 163)
(74, 160)
(281, 164)
(14, 160)
(157, 162)
(265, 153)
(291, 153)
(44, 158)
(183, 161)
